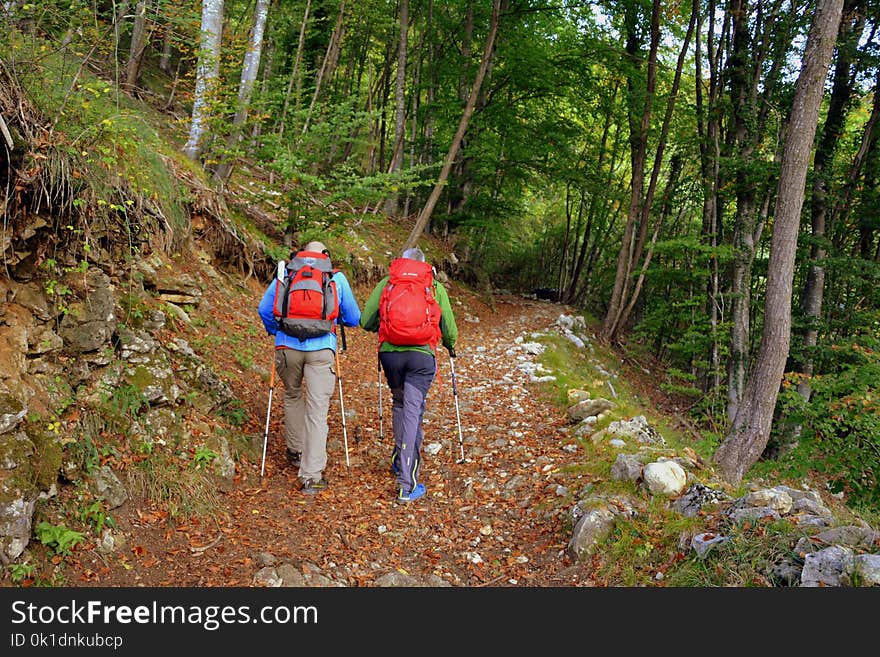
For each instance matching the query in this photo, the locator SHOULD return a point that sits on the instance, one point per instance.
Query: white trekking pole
(341, 402)
(268, 414)
(279, 275)
(457, 413)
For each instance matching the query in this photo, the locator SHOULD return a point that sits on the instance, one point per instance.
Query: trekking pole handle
(342, 332)
(451, 352)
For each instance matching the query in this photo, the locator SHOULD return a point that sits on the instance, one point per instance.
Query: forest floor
(495, 519)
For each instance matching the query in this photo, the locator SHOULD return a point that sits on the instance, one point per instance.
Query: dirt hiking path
(494, 520)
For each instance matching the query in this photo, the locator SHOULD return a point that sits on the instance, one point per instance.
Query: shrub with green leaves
(57, 537)
(841, 435)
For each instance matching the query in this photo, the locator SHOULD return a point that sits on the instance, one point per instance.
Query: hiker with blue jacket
(410, 311)
(310, 357)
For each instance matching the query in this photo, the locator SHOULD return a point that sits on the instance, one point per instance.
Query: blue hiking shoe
(413, 495)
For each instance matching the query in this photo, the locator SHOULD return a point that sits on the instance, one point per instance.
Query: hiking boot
(312, 486)
(414, 494)
(294, 458)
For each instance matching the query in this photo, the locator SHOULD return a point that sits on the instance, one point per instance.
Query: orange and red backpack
(306, 301)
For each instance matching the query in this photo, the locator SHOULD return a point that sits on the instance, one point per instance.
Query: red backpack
(306, 301)
(408, 312)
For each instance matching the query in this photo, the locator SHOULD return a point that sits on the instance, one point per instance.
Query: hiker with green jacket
(410, 311)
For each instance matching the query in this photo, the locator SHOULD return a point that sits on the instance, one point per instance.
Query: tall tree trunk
(431, 91)
(709, 128)
(328, 65)
(746, 234)
(207, 70)
(812, 293)
(249, 70)
(590, 246)
(626, 307)
(425, 215)
(750, 430)
(414, 117)
(671, 185)
(391, 204)
(120, 16)
(383, 91)
(455, 193)
(138, 45)
(639, 122)
(753, 80)
(563, 254)
(357, 65)
(268, 66)
(567, 287)
(869, 162)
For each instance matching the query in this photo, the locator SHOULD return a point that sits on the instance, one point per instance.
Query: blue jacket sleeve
(349, 311)
(265, 308)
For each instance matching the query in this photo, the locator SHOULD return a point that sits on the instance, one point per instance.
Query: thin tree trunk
(295, 80)
(431, 90)
(868, 142)
(646, 205)
(268, 67)
(167, 50)
(174, 84)
(571, 293)
(455, 193)
(425, 215)
(709, 129)
(671, 184)
(868, 162)
(120, 12)
(745, 223)
(207, 70)
(813, 290)
(328, 65)
(638, 156)
(414, 127)
(563, 255)
(748, 60)
(750, 431)
(383, 91)
(391, 204)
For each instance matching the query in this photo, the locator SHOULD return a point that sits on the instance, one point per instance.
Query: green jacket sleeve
(447, 319)
(370, 313)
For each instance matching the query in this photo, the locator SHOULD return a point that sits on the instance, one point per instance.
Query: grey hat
(414, 253)
(317, 247)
